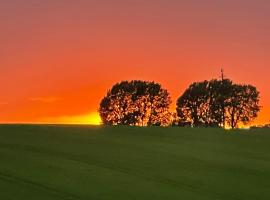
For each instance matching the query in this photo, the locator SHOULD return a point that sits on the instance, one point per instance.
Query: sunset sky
(59, 57)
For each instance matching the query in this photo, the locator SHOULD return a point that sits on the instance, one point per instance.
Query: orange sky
(58, 58)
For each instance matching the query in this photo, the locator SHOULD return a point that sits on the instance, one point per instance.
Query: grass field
(122, 163)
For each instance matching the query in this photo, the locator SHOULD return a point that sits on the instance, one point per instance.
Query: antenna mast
(223, 104)
(222, 74)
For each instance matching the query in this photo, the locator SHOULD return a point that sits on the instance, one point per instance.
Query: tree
(219, 92)
(136, 102)
(192, 106)
(243, 105)
(218, 103)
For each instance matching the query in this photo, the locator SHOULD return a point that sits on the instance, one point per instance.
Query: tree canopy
(217, 103)
(136, 102)
(214, 103)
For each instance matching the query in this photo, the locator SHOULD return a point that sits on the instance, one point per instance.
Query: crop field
(121, 163)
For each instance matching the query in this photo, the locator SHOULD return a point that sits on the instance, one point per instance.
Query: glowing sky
(59, 57)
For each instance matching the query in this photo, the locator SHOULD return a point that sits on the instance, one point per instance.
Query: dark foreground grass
(122, 163)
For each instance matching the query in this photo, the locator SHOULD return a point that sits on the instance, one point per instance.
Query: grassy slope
(58, 162)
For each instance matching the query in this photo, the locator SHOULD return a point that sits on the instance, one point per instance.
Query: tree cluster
(214, 103)
(139, 103)
(218, 103)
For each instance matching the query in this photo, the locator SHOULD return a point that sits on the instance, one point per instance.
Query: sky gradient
(59, 57)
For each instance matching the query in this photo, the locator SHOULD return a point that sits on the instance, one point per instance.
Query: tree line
(213, 103)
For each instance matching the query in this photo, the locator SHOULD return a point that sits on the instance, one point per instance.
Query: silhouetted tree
(217, 103)
(136, 102)
(219, 92)
(243, 105)
(192, 106)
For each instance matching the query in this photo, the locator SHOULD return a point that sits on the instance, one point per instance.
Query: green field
(73, 162)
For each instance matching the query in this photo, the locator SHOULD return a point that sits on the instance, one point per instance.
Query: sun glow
(88, 119)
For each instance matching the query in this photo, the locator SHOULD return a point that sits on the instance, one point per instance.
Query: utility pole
(223, 99)
(222, 75)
